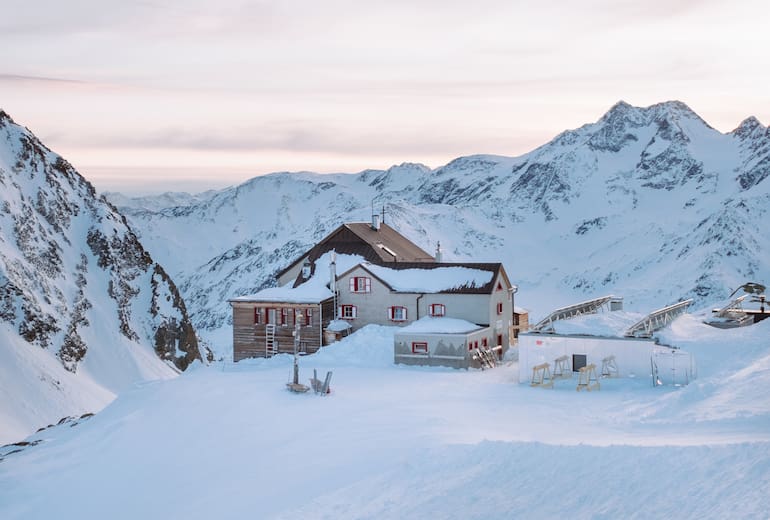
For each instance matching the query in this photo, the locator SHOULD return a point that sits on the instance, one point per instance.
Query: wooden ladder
(271, 346)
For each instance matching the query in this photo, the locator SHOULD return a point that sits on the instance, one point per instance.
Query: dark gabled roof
(488, 288)
(387, 241)
(383, 247)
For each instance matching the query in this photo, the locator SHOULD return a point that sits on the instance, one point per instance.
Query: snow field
(229, 441)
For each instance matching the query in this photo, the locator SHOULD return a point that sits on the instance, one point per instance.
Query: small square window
(347, 312)
(437, 309)
(419, 347)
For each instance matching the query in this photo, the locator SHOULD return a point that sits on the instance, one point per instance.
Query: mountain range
(648, 203)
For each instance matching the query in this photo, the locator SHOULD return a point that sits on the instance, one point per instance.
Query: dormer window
(360, 284)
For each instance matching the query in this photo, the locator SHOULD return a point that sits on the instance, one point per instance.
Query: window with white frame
(419, 347)
(308, 317)
(258, 316)
(360, 284)
(347, 312)
(284, 316)
(499, 307)
(397, 313)
(437, 309)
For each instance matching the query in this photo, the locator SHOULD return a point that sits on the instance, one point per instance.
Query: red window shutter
(390, 313)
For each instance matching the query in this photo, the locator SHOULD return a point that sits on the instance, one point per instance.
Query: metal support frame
(656, 320)
(572, 311)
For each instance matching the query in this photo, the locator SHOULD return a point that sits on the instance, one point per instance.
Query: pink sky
(186, 95)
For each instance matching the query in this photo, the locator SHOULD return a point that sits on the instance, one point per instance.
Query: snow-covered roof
(315, 290)
(611, 324)
(286, 294)
(431, 325)
(432, 279)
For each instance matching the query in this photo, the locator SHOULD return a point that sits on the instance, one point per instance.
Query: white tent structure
(618, 343)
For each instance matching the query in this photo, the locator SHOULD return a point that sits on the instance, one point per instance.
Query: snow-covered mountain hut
(365, 274)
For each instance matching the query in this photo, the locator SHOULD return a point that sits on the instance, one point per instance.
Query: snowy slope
(84, 310)
(649, 203)
(414, 442)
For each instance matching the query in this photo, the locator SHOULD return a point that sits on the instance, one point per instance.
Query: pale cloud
(290, 83)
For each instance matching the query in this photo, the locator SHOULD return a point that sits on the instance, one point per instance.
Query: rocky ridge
(76, 284)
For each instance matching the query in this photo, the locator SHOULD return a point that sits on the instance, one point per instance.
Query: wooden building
(520, 323)
(263, 327)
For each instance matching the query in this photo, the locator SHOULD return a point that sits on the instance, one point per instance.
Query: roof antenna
(375, 219)
(383, 213)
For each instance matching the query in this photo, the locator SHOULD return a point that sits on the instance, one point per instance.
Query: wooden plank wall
(249, 338)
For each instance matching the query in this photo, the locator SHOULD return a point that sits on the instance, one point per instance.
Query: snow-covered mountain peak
(749, 128)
